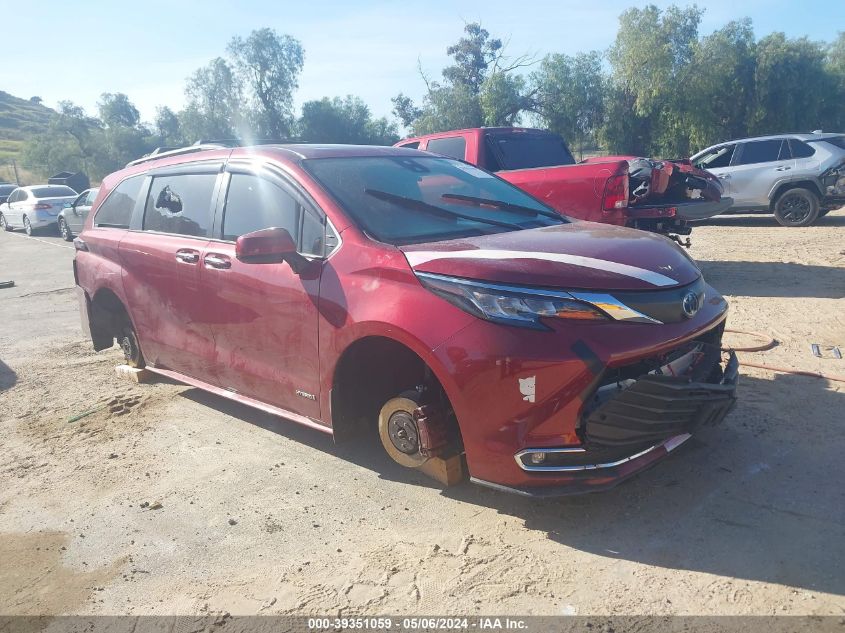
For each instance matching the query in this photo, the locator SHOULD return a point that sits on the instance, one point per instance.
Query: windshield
(405, 200)
(53, 192)
(527, 150)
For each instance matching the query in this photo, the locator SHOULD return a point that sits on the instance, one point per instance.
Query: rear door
(264, 316)
(162, 264)
(755, 168)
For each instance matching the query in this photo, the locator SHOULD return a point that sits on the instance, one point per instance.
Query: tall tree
(570, 96)
(269, 65)
(167, 128)
(116, 110)
(477, 89)
(214, 102)
(651, 61)
(474, 54)
(721, 88)
(791, 84)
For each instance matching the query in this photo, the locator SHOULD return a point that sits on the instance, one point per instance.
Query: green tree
(721, 88)
(345, 120)
(791, 85)
(477, 89)
(570, 96)
(269, 65)
(116, 110)
(214, 102)
(167, 127)
(651, 62)
(474, 54)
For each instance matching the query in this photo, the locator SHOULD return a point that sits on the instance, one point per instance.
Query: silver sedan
(34, 207)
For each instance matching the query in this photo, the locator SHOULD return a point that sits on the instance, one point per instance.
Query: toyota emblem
(690, 304)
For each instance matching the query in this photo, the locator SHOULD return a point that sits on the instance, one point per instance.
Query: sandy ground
(185, 503)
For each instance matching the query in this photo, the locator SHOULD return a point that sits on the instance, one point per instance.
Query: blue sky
(61, 50)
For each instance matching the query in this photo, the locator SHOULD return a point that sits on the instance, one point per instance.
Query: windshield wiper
(500, 204)
(420, 205)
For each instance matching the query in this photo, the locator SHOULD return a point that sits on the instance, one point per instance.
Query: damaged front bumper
(631, 431)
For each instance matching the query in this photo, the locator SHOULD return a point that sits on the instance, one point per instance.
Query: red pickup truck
(660, 196)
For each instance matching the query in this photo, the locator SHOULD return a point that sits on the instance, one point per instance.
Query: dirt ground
(180, 502)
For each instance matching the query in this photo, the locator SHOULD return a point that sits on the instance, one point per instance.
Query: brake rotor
(399, 433)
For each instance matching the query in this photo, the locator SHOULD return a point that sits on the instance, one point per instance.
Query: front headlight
(512, 306)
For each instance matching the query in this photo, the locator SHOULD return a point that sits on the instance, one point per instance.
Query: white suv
(798, 177)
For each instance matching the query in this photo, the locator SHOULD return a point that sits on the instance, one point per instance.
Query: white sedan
(35, 207)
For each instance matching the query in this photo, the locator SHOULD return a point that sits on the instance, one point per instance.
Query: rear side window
(760, 152)
(800, 149)
(180, 204)
(116, 210)
(254, 203)
(527, 151)
(454, 146)
(411, 145)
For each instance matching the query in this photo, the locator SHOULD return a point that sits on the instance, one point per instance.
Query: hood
(582, 255)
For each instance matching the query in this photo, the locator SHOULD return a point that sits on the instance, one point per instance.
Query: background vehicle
(347, 287)
(5, 190)
(660, 196)
(35, 207)
(72, 217)
(798, 177)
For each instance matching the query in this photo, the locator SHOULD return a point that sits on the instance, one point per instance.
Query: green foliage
(344, 121)
(214, 102)
(721, 85)
(268, 65)
(473, 54)
(478, 89)
(570, 96)
(791, 85)
(167, 128)
(117, 111)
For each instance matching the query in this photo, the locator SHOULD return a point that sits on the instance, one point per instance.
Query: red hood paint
(582, 255)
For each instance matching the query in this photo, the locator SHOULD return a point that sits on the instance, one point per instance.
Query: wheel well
(370, 372)
(108, 316)
(798, 184)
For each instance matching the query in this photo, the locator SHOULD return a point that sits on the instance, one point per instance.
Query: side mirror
(269, 246)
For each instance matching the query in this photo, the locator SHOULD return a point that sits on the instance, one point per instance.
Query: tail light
(42, 205)
(616, 193)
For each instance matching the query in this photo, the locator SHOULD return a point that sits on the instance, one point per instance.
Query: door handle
(784, 168)
(217, 261)
(187, 257)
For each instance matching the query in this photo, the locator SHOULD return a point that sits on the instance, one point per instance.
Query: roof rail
(190, 149)
(201, 146)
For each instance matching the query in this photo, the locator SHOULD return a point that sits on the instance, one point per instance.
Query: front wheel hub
(399, 433)
(403, 432)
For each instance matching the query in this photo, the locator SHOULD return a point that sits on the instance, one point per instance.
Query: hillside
(20, 119)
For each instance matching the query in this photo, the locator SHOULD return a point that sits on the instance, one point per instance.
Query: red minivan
(361, 288)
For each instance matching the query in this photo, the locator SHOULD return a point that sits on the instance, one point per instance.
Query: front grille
(647, 407)
(664, 305)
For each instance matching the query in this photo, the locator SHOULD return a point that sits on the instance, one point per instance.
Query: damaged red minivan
(353, 288)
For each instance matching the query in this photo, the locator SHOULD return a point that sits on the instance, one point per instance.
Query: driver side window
(254, 203)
